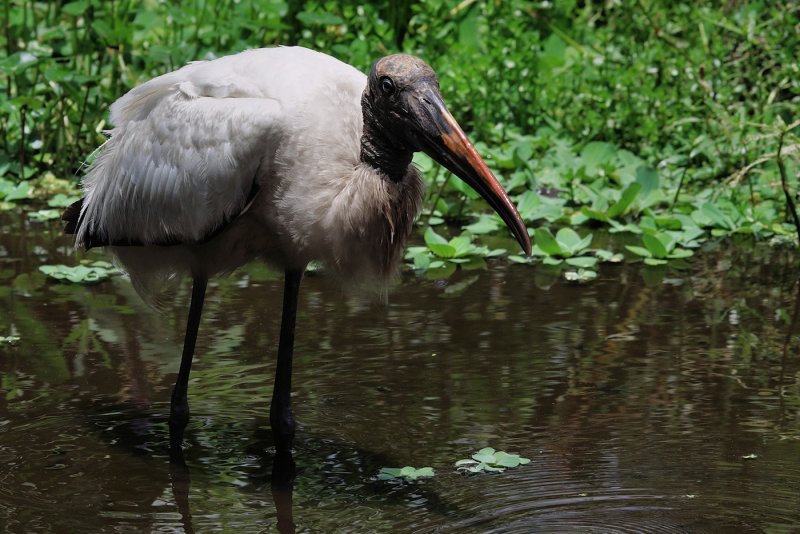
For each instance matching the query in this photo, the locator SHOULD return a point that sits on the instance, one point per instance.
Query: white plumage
(282, 154)
(188, 148)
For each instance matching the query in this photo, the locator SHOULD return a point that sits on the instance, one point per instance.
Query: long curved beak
(443, 139)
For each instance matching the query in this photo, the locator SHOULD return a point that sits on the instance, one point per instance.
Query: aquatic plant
(489, 460)
(407, 473)
(89, 273)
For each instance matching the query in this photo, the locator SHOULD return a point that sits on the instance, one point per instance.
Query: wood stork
(282, 154)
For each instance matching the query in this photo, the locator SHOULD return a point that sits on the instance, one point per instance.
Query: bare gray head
(387, 105)
(404, 113)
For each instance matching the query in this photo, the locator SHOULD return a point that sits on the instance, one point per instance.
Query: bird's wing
(189, 147)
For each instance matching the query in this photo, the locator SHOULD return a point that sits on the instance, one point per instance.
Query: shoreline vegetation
(668, 124)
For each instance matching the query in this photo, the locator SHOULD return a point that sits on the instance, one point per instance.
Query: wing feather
(181, 161)
(189, 148)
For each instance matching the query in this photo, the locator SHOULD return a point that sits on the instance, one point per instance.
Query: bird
(284, 155)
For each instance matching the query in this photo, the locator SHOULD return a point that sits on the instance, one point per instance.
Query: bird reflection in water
(281, 486)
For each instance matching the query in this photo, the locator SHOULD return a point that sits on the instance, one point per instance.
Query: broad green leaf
(639, 251)
(668, 222)
(432, 237)
(571, 242)
(647, 177)
(422, 261)
(717, 218)
(648, 225)
(62, 201)
(407, 471)
(461, 245)
(655, 261)
(425, 472)
(627, 198)
(485, 455)
(596, 154)
(655, 246)
(546, 242)
(21, 191)
(667, 240)
(503, 459)
(438, 244)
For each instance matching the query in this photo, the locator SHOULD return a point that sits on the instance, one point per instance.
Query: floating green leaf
(80, 274)
(490, 460)
(407, 472)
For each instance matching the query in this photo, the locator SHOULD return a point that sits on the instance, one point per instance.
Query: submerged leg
(179, 406)
(280, 412)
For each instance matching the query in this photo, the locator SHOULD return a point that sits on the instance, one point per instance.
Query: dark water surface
(647, 401)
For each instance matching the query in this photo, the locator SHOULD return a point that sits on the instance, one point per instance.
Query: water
(647, 401)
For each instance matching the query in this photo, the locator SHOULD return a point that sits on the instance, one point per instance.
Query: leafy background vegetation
(668, 123)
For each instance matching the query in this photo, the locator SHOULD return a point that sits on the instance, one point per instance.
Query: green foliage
(659, 249)
(488, 460)
(647, 117)
(91, 273)
(406, 473)
(12, 191)
(440, 256)
(566, 246)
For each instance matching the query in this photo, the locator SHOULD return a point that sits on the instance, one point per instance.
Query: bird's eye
(387, 85)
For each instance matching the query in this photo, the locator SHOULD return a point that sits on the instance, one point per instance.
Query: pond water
(648, 400)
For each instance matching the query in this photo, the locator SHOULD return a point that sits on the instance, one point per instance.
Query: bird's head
(402, 101)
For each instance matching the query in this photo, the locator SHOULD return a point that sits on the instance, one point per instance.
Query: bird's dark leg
(179, 406)
(282, 484)
(280, 412)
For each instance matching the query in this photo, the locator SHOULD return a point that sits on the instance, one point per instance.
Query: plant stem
(680, 186)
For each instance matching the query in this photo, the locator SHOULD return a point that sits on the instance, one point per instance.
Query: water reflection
(647, 400)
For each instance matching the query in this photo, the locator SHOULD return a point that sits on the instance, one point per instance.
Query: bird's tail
(72, 216)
